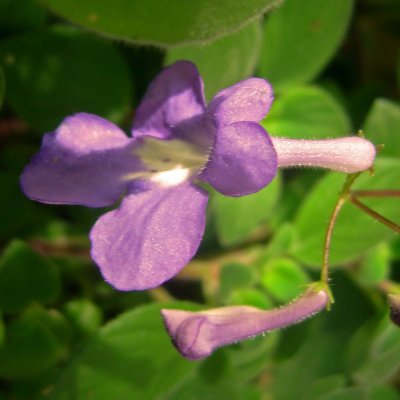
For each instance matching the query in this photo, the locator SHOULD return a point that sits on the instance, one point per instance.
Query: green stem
(376, 193)
(328, 239)
(343, 195)
(374, 214)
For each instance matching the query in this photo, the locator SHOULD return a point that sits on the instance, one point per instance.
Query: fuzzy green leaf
(162, 22)
(131, 358)
(307, 112)
(237, 217)
(300, 38)
(61, 71)
(224, 61)
(382, 126)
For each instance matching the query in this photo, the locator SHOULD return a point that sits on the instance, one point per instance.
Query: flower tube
(197, 334)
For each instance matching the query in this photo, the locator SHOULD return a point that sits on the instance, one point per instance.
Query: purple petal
(84, 133)
(151, 237)
(85, 161)
(249, 100)
(243, 159)
(176, 95)
(198, 334)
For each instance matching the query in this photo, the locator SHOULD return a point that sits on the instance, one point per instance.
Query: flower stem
(328, 239)
(374, 214)
(376, 193)
(348, 194)
(344, 193)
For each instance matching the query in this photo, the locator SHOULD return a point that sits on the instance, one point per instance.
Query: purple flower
(177, 141)
(198, 334)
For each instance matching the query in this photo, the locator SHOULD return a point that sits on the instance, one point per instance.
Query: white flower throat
(168, 162)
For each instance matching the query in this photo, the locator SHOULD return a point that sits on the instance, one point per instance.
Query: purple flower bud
(198, 334)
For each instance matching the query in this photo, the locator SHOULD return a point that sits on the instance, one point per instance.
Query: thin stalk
(376, 193)
(347, 194)
(328, 239)
(332, 221)
(374, 214)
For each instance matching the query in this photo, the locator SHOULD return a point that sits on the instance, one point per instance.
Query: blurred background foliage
(335, 68)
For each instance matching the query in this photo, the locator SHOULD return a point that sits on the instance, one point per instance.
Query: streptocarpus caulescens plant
(177, 141)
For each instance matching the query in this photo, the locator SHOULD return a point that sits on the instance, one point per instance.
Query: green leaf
(34, 343)
(21, 15)
(85, 316)
(355, 232)
(2, 330)
(295, 191)
(234, 276)
(237, 217)
(395, 249)
(61, 71)
(214, 368)
(363, 393)
(382, 361)
(26, 276)
(4, 4)
(321, 387)
(18, 215)
(249, 358)
(131, 358)
(375, 267)
(382, 126)
(250, 297)
(162, 23)
(197, 389)
(307, 112)
(300, 38)
(385, 392)
(2, 86)
(283, 278)
(224, 61)
(280, 244)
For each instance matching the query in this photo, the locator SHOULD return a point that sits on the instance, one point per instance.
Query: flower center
(171, 178)
(169, 162)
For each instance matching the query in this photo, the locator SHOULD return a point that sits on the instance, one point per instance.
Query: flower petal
(243, 159)
(83, 162)
(249, 100)
(198, 334)
(151, 237)
(176, 95)
(84, 133)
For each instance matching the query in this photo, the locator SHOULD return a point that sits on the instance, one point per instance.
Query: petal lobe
(151, 237)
